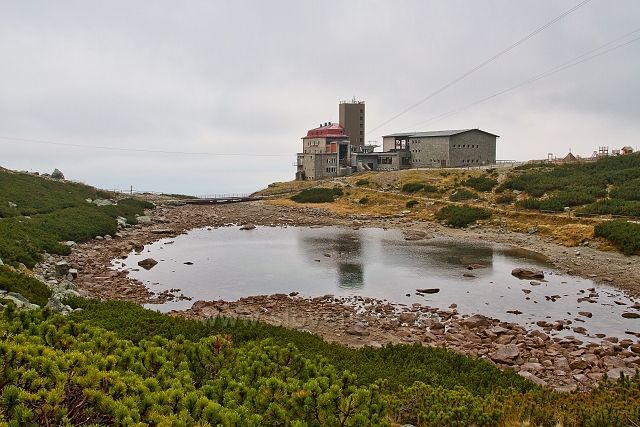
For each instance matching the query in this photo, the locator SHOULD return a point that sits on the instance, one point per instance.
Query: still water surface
(229, 264)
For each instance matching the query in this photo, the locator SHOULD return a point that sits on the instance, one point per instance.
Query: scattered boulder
(411, 235)
(62, 268)
(57, 174)
(409, 318)
(144, 220)
(585, 314)
(631, 315)
(102, 202)
(357, 330)
(533, 378)
(616, 373)
(524, 273)
(428, 290)
(475, 321)
(147, 263)
(248, 226)
(532, 230)
(505, 354)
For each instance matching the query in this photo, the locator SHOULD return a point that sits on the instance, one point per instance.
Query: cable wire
(481, 65)
(139, 150)
(587, 56)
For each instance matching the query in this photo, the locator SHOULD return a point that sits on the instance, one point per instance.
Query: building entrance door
(443, 163)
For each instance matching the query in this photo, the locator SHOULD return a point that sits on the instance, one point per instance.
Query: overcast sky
(251, 77)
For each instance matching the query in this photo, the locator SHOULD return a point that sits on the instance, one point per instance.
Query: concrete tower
(351, 116)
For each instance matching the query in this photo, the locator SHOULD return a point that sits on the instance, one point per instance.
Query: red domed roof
(328, 130)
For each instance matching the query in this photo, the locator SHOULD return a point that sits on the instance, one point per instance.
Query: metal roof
(435, 133)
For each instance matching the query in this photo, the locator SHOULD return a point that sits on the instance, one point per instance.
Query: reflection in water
(350, 275)
(345, 253)
(436, 256)
(226, 264)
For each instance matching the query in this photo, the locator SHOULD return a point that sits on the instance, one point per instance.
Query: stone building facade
(439, 149)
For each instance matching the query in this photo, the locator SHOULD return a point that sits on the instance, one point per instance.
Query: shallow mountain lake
(229, 264)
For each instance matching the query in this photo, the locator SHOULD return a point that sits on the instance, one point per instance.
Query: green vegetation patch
(398, 365)
(32, 289)
(462, 194)
(624, 235)
(318, 195)
(413, 187)
(613, 207)
(362, 182)
(461, 216)
(412, 203)
(592, 178)
(48, 212)
(149, 368)
(24, 194)
(627, 191)
(57, 372)
(364, 201)
(481, 183)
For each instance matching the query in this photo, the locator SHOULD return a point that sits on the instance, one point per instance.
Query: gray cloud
(252, 77)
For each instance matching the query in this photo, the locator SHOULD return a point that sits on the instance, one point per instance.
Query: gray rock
(532, 230)
(616, 373)
(358, 330)
(524, 273)
(1, 263)
(62, 268)
(144, 220)
(506, 353)
(55, 304)
(102, 202)
(12, 205)
(531, 377)
(147, 263)
(248, 227)
(57, 174)
(70, 243)
(475, 321)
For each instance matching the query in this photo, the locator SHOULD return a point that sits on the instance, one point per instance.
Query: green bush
(624, 235)
(481, 183)
(364, 201)
(362, 182)
(505, 199)
(397, 365)
(462, 194)
(32, 289)
(318, 195)
(461, 216)
(592, 178)
(613, 207)
(412, 187)
(412, 203)
(57, 372)
(627, 191)
(36, 195)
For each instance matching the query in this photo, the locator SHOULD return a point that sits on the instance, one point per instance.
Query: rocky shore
(563, 363)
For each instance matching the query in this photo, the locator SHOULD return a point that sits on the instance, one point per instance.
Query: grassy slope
(518, 198)
(49, 212)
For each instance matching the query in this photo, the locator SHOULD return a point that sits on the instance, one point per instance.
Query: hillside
(566, 202)
(115, 363)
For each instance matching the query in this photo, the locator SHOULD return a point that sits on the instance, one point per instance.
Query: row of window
(331, 160)
(466, 146)
(331, 169)
(471, 161)
(385, 160)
